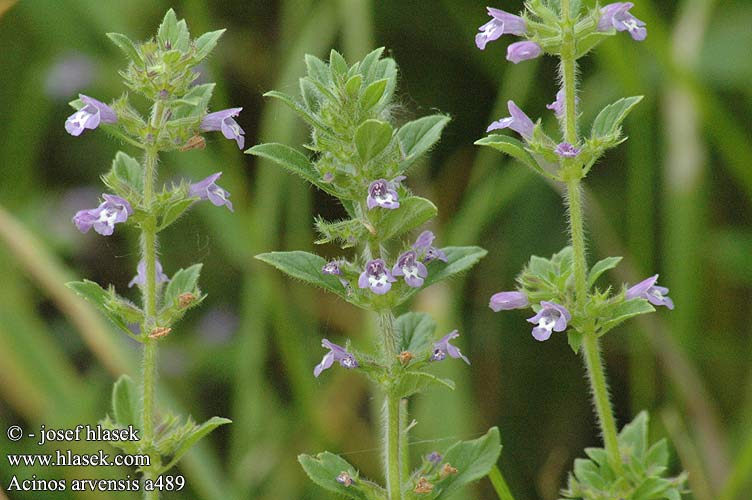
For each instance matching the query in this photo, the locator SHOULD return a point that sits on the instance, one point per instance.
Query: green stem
(499, 484)
(149, 256)
(392, 417)
(573, 174)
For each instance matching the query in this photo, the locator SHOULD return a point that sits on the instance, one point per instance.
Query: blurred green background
(675, 199)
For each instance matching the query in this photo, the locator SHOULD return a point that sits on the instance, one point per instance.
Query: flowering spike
(411, 268)
(616, 16)
(501, 23)
(442, 348)
(140, 277)
(90, 116)
(207, 189)
(223, 120)
(517, 121)
(336, 353)
(647, 289)
(376, 277)
(522, 51)
(113, 210)
(551, 318)
(504, 301)
(382, 193)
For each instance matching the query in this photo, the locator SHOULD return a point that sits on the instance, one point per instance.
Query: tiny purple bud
(566, 150)
(425, 249)
(616, 16)
(411, 268)
(376, 277)
(345, 478)
(504, 301)
(522, 51)
(331, 267)
(551, 318)
(434, 457)
(223, 120)
(502, 23)
(90, 116)
(140, 278)
(113, 210)
(207, 189)
(382, 193)
(647, 289)
(517, 121)
(336, 353)
(443, 347)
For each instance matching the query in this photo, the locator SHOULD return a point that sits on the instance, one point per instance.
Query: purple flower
(551, 318)
(140, 277)
(336, 353)
(566, 150)
(425, 249)
(90, 116)
(502, 23)
(517, 121)
(443, 347)
(376, 277)
(111, 211)
(504, 301)
(647, 289)
(522, 51)
(208, 190)
(411, 268)
(382, 193)
(434, 457)
(332, 268)
(223, 120)
(617, 16)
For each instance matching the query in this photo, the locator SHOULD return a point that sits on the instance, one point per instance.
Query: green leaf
(368, 64)
(651, 489)
(173, 211)
(658, 454)
(633, 438)
(206, 43)
(414, 332)
(515, 149)
(337, 64)
(459, 260)
(305, 267)
(324, 468)
(373, 94)
(473, 460)
(574, 338)
(192, 438)
(386, 69)
(183, 281)
(612, 316)
(317, 69)
(371, 137)
(127, 46)
(601, 267)
(412, 382)
(100, 298)
(168, 30)
(606, 124)
(126, 404)
(586, 43)
(418, 136)
(300, 110)
(352, 87)
(412, 213)
(125, 177)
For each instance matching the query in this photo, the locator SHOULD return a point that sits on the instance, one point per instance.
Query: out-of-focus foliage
(675, 199)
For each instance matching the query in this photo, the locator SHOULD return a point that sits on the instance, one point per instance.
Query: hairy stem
(573, 176)
(392, 418)
(149, 374)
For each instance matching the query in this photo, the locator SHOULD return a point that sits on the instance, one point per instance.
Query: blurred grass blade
(499, 484)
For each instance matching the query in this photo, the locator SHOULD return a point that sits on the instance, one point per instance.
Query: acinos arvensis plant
(561, 290)
(361, 159)
(162, 71)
